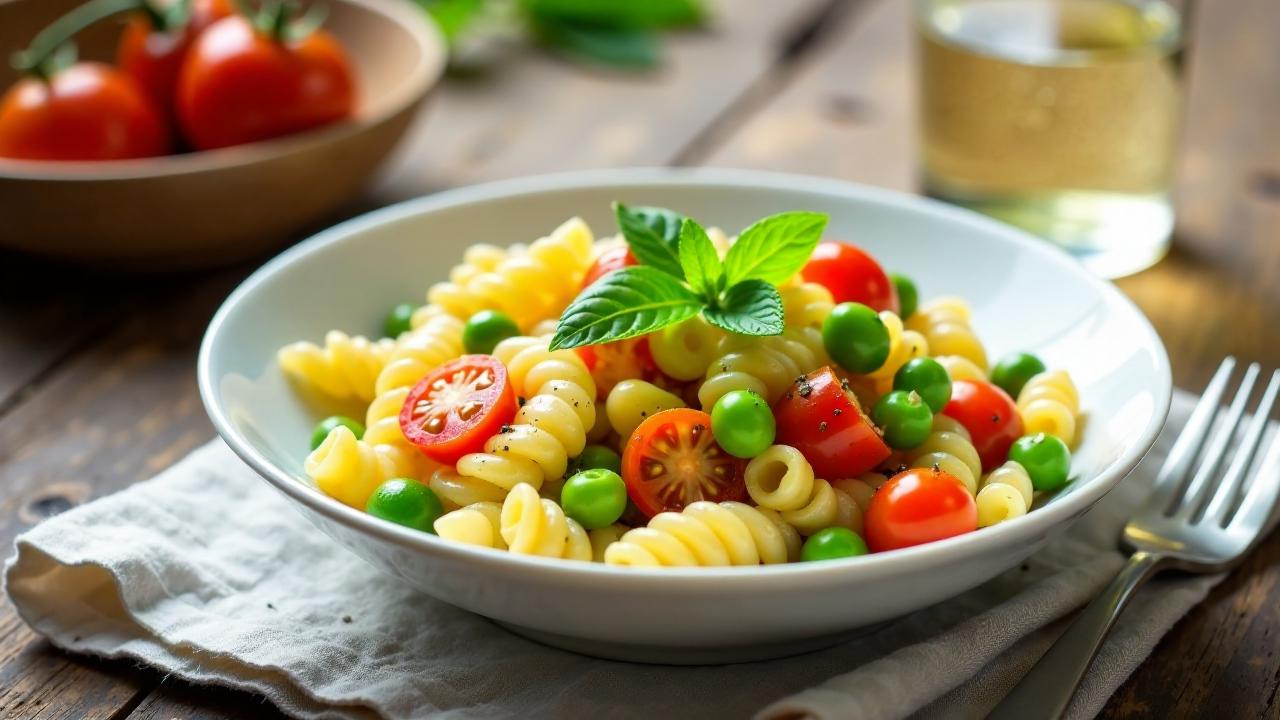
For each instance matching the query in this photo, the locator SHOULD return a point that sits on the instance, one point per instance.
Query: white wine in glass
(1058, 116)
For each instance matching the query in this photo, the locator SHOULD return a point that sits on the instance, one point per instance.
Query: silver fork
(1203, 522)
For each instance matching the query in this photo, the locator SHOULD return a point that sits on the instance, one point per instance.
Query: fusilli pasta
(684, 351)
(631, 401)
(417, 353)
(945, 324)
(706, 533)
(524, 523)
(528, 286)
(1049, 403)
(350, 470)
(805, 304)
(781, 479)
(764, 365)
(903, 346)
(960, 368)
(1006, 493)
(949, 451)
(346, 367)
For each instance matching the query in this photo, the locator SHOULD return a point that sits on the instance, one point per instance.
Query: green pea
(398, 320)
(855, 337)
(1045, 458)
(832, 543)
(323, 427)
(905, 419)
(485, 330)
(908, 298)
(406, 502)
(598, 456)
(1014, 370)
(595, 498)
(743, 424)
(927, 378)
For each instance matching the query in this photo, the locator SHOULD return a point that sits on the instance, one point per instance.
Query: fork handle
(1047, 689)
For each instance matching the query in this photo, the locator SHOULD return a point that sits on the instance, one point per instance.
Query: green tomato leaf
(625, 303)
(699, 260)
(621, 48)
(751, 307)
(654, 236)
(630, 14)
(775, 248)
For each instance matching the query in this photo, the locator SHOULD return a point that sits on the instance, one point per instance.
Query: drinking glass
(1058, 116)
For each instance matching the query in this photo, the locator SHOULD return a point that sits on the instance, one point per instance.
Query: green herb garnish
(680, 275)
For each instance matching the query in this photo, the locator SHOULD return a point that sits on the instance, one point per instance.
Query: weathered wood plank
(176, 700)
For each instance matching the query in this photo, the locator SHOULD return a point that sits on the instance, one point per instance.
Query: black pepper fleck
(270, 606)
(346, 619)
(837, 411)
(521, 401)
(806, 391)
(995, 418)
(822, 426)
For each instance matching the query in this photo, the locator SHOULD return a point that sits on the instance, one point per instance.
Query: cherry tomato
(820, 417)
(672, 460)
(459, 406)
(608, 261)
(990, 416)
(851, 275)
(917, 506)
(240, 85)
(611, 363)
(88, 111)
(153, 56)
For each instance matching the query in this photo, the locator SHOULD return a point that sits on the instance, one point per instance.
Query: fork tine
(1206, 480)
(1260, 499)
(1224, 500)
(1191, 439)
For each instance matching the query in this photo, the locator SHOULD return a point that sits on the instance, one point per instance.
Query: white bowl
(1024, 293)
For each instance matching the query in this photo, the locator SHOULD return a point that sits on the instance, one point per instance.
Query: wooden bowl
(219, 206)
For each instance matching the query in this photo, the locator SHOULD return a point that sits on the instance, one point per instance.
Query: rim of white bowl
(417, 82)
(706, 579)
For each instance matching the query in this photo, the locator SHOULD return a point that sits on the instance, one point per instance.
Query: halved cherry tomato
(672, 460)
(917, 506)
(990, 416)
(459, 406)
(239, 84)
(608, 261)
(88, 111)
(851, 275)
(153, 55)
(820, 417)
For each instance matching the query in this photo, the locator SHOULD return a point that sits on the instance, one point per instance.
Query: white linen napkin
(207, 573)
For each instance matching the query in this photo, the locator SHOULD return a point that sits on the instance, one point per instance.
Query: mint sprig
(680, 275)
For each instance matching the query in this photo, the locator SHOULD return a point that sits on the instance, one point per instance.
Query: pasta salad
(672, 396)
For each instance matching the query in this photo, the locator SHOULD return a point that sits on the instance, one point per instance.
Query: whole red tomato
(917, 506)
(152, 54)
(851, 275)
(89, 111)
(990, 416)
(239, 85)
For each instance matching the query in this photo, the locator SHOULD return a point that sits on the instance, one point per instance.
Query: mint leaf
(616, 47)
(625, 303)
(653, 234)
(775, 248)
(631, 14)
(453, 16)
(752, 307)
(698, 257)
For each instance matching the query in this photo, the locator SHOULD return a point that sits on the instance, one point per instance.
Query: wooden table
(97, 382)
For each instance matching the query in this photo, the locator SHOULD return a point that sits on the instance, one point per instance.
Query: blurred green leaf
(614, 47)
(452, 16)
(618, 14)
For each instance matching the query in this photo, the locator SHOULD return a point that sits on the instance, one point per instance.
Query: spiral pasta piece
(550, 427)
(416, 354)
(764, 365)
(602, 538)
(475, 524)
(684, 351)
(523, 523)
(949, 451)
(1006, 493)
(946, 324)
(350, 470)
(904, 345)
(707, 533)
(346, 367)
(1050, 404)
(528, 286)
(960, 368)
(805, 304)
(631, 401)
(781, 479)
(858, 491)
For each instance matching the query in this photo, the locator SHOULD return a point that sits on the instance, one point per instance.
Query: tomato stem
(42, 58)
(275, 19)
